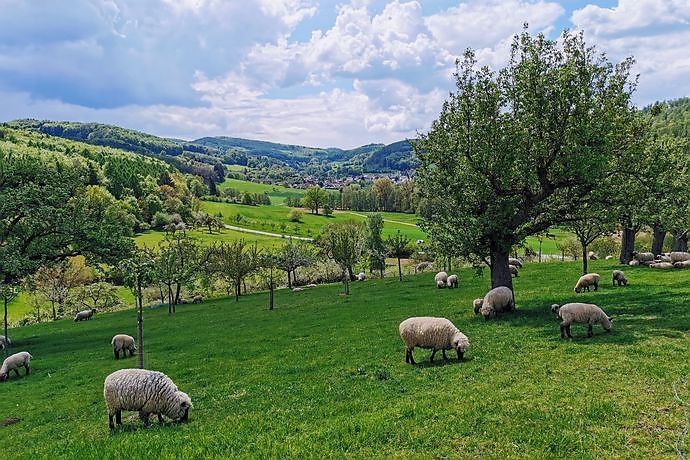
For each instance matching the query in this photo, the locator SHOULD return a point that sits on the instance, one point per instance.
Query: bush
(160, 220)
(570, 247)
(605, 246)
(295, 215)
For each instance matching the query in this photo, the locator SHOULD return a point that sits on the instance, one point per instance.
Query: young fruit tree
(344, 243)
(138, 273)
(514, 150)
(399, 247)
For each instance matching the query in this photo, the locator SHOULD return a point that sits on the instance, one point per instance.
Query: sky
(310, 72)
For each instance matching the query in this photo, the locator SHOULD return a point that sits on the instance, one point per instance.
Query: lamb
(432, 333)
(123, 343)
(514, 261)
(84, 315)
(477, 304)
(452, 281)
(684, 264)
(497, 300)
(361, 276)
(634, 263)
(645, 258)
(592, 256)
(661, 265)
(584, 313)
(441, 276)
(147, 392)
(678, 256)
(13, 363)
(619, 277)
(585, 281)
(197, 299)
(513, 270)
(5, 342)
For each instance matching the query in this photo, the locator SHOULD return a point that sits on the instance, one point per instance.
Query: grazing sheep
(297, 289)
(584, 313)
(645, 258)
(123, 343)
(514, 261)
(477, 305)
(585, 281)
(311, 285)
(683, 264)
(148, 392)
(661, 265)
(452, 281)
(13, 363)
(432, 333)
(619, 277)
(441, 276)
(634, 263)
(609, 257)
(678, 256)
(197, 299)
(5, 342)
(513, 271)
(84, 315)
(361, 276)
(440, 284)
(420, 267)
(497, 300)
(663, 258)
(592, 256)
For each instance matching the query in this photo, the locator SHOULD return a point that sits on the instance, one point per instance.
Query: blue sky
(322, 73)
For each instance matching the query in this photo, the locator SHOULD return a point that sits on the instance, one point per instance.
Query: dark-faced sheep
(585, 281)
(13, 363)
(84, 315)
(619, 277)
(583, 313)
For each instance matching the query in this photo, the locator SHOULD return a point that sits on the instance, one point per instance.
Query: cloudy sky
(312, 72)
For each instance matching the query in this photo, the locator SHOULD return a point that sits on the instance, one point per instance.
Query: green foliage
(344, 243)
(314, 198)
(295, 215)
(376, 249)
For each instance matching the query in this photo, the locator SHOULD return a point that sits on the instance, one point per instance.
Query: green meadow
(324, 375)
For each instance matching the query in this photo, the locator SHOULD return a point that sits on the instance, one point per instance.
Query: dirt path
(259, 232)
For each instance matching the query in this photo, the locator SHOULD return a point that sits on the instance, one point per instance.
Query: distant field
(324, 376)
(549, 244)
(152, 238)
(274, 219)
(277, 193)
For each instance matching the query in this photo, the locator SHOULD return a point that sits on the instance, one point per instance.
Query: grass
(274, 219)
(324, 376)
(277, 193)
(549, 244)
(152, 238)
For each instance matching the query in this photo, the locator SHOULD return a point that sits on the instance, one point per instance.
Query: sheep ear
(610, 318)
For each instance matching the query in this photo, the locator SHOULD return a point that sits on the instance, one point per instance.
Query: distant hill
(230, 150)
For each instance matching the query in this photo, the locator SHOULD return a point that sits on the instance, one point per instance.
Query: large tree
(514, 150)
(314, 198)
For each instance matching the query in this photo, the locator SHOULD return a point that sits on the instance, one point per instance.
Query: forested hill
(187, 155)
(671, 117)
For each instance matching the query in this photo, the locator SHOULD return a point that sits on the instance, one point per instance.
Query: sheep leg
(26, 368)
(433, 353)
(461, 355)
(117, 353)
(590, 333)
(111, 425)
(118, 417)
(444, 355)
(160, 419)
(16, 371)
(412, 361)
(144, 416)
(596, 286)
(567, 330)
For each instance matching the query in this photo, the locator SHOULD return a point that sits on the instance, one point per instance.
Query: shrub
(295, 215)
(605, 246)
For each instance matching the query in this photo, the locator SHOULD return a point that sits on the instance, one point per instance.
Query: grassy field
(549, 244)
(274, 219)
(324, 376)
(277, 193)
(152, 238)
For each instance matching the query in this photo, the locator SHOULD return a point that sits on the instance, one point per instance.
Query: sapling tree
(138, 271)
(399, 247)
(344, 243)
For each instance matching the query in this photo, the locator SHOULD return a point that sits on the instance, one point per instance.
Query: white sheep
(452, 281)
(440, 284)
(123, 343)
(663, 258)
(361, 276)
(514, 261)
(683, 264)
(147, 392)
(197, 299)
(514, 270)
(297, 289)
(477, 304)
(583, 313)
(661, 265)
(634, 263)
(585, 281)
(619, 277)
(5, 342)
(441, 276)
(609, 257)
(84, 315)
(420, 267)
(310, 285)
(497, 300)
(679, 256)
(13, 363)
(645, 258)
(432, 333)
(591, 255)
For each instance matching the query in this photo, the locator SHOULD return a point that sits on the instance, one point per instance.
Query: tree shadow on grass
(425, 363)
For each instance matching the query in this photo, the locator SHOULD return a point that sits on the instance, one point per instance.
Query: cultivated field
(324, 376)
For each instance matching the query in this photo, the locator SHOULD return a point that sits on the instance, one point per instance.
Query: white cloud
(630, 15)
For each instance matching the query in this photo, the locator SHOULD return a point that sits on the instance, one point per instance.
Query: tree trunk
(350, 274)
(627, 244)
(52, 304)
(500, 273)
(270, 291)
(658, 241)
(140, 329)
(540, 242)
(346, 280)
(399, 269)
(680, 241)
(585, 259)
(177, 295)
